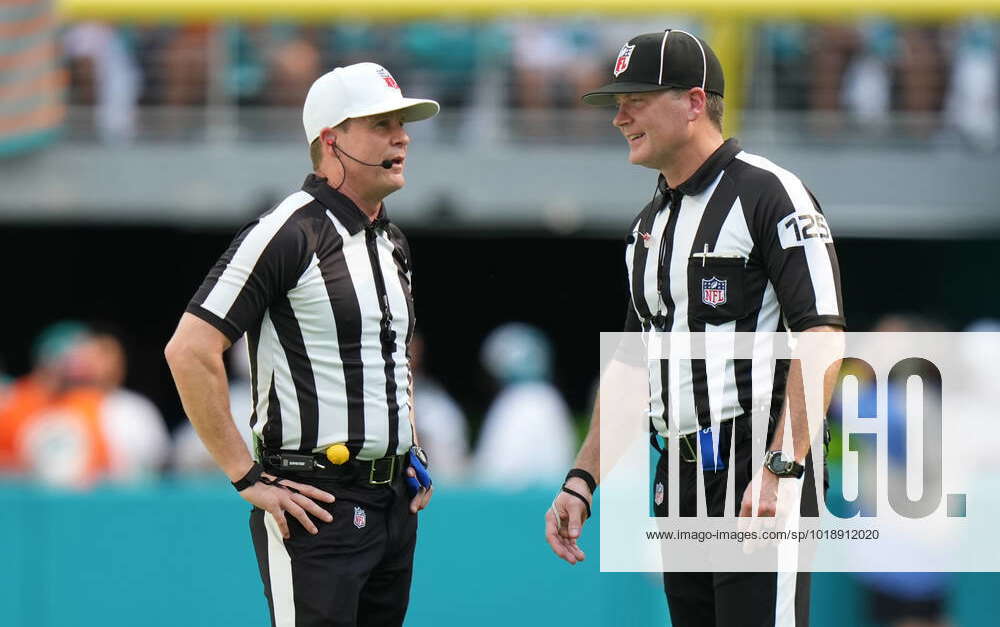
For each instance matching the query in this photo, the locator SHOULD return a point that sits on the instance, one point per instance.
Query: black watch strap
(783, 467)
(252, 477)
(795, 469)
(580, 473)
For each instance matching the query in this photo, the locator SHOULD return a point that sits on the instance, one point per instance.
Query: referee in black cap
(730, 242)
(320, 285)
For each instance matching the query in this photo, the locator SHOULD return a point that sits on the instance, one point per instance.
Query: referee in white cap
(320, 285)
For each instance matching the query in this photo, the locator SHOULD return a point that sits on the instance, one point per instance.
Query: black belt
(381, 471)
(687, 446)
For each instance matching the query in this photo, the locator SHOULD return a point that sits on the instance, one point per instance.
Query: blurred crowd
(943, 76)
(934, 73)
(70, 422)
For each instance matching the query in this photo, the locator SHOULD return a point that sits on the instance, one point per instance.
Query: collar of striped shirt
(706, 173)
(342, 207)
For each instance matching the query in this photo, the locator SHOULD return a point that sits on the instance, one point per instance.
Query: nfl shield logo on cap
(713, 291)
(623, 56)
(387, 77)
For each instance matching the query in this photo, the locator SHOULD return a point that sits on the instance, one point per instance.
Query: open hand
(564, 522)
(295, 498)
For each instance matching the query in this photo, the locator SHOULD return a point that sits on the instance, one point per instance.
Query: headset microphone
(385, 163)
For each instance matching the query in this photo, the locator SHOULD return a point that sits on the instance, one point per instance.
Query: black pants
(732, 599)
(355, 572)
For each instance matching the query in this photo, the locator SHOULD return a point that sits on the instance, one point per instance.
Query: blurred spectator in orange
(132, 425)
(70, 423)
(527, 434)
(441, 424)
(50, 376)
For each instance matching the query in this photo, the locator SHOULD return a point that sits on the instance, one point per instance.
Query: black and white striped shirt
(323, 295)
(741, 246)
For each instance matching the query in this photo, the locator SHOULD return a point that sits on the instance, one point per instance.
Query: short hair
(316, 152)
(316, 147)
(714, 106)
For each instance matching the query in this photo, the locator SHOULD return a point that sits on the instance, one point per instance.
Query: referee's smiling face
(374, 139)
(655, 125)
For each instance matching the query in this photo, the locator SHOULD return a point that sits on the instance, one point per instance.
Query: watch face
(777, 464)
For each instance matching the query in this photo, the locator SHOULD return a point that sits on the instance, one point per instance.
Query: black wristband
(586, 503)
(252, 477)
(580, 473)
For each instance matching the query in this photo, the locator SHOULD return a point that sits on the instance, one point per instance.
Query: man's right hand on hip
(282, 496)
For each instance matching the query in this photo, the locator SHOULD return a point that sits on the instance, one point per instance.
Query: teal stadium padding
(179, 553)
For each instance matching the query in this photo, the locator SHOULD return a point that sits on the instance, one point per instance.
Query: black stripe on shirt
(294, 347)
(663, 263)
(392, 442)
(272, 430)
(664, 393)
(347, 314)
(253, 340)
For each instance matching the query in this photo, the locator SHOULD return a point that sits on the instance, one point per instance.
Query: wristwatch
(775, 462)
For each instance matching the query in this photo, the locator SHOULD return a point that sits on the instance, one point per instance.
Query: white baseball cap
(355, 91)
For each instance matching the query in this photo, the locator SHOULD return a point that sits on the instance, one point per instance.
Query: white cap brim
(414, 110)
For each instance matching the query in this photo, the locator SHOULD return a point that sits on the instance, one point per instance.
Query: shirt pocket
(716, 285)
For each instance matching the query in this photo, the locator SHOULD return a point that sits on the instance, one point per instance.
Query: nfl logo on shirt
(359, 518)
(713, 291)
(658, 494)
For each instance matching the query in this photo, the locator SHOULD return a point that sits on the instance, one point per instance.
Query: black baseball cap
(656, 61)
